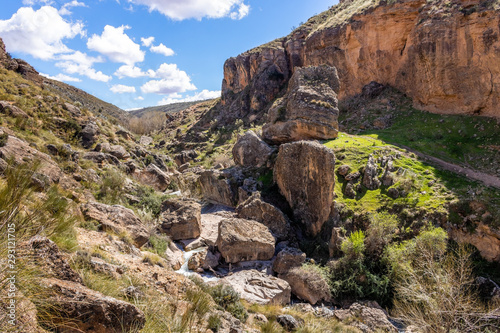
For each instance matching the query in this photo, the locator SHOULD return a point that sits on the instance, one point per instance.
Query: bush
(214, 322)
(383, 227)
(228, 299)
(435, 292)
(354, 246)
(112, 187)
(158, 244)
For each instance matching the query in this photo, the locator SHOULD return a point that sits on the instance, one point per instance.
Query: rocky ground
(306, 215)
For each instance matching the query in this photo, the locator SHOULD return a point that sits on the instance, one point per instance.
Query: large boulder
(204, 260)
(287, 259)
(370, 176)
(259, 288)
(89, 134)
(305, 174)
(307, 284)
(45, 253)
(11, 110)
(273, 218)
(117, 151)
(181, 219)
(251, 151)
(100, 158)
(117, 219)
(368, 315)
(154, 177)
(218, 187)
(185, 156)
(244, 240)
(89, 310)
(309, 109)
(21, 152)
(174, 256)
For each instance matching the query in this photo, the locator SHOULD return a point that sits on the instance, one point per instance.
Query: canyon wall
(445, 56)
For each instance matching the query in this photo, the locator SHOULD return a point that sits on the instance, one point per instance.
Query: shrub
(158, 244)
(436, 292)
(228, 299)
(214, 322)
(3, 139)
(383, 227)
(152, 259)
(112, 187)
(354, 246)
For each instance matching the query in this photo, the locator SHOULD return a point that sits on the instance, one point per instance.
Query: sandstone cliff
(444, 55)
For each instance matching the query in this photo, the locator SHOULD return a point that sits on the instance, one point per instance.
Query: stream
(184, 270)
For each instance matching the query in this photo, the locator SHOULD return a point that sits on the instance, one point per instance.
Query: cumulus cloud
(62, 77)
(131, 71)
(80, 63)
(162, 49)
(38, 33)
(121, 89)
(115, 44)
(139, 98)
(34, 2)
(147, 41)
(197, 9)
(201, 96)
(65, 9)
(171, 80)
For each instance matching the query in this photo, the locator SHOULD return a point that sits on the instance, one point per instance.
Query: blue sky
(137, 53)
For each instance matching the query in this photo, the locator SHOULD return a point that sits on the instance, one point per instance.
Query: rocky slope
(444, 55)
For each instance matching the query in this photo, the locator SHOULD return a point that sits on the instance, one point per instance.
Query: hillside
(326, 191)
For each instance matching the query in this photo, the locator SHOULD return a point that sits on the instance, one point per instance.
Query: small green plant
(152, 259)
(112, 187)
(158, 244)
(214, 322)
(3, 139)
(354, 246)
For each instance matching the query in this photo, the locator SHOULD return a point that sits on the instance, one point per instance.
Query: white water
(184, 270)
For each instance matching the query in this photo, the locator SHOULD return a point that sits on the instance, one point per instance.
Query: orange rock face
(445, 56)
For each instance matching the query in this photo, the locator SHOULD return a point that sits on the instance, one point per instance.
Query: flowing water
(184, 270)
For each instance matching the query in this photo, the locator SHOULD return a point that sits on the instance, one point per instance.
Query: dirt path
(486, 179)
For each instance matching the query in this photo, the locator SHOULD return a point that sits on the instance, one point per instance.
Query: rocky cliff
(444, 55)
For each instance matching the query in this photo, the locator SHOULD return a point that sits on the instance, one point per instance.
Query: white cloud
(34, 2)
(172, 80)
(201, 96)
(65, 9)
(147, 41)
(140, 98)
(131, 71)
(38, 33)
(162, 49)
(116, 45)
(80, 63)
(197, 9)
(243, 11)
(120, 89)
(62, 77)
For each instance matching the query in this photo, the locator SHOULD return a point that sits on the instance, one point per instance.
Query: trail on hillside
(486, 179)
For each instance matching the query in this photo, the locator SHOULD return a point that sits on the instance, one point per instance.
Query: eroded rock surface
(244, 240)
(251, 151)
(259, 288)
(308, 110)
(181, 219)
(305, 174)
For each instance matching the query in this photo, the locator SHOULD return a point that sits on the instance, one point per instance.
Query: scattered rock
(287, 259)
(352, 176)
(52, 149)
(185, 156)
(11, 110)
(117, 219)
(145, 140)
(349, 190)
(288, 322)
(244, 240)
(125, 134)
(90, 310)
(22, 152)
(89, 134)
(393, 192)
(259, 288)
(256, 209)
(47, 255)
(305, 174)
(100, 158)
(308, 110)
(73, 110)
(343, 170)
(369, 314)
(154, 177)
(251, 151)
(307, 284)
(370, 176)
(335, 241)
(181, 219)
